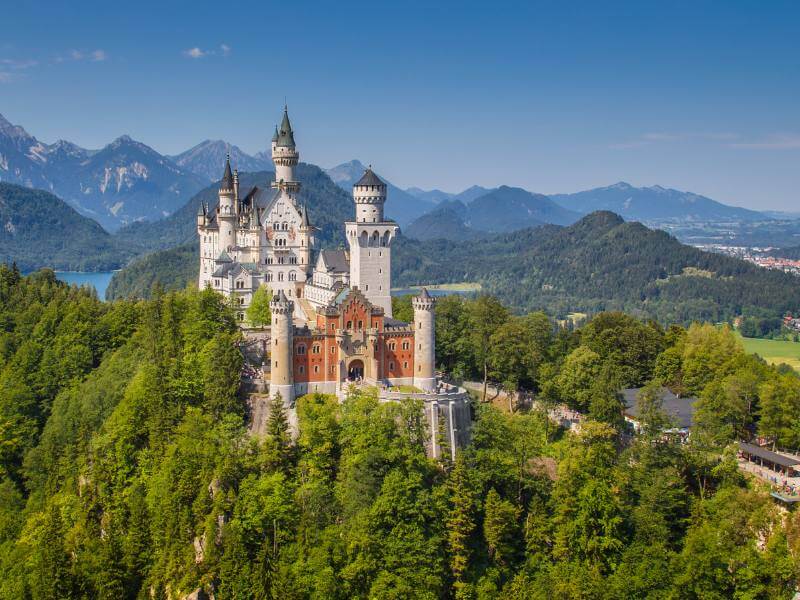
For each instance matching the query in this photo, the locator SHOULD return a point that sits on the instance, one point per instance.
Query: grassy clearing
(774, 351)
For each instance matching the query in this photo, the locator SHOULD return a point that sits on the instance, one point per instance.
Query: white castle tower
(370, 238)
(424, 341)
(285, 155)
(281, 379)
(226, 216)
(285, 221)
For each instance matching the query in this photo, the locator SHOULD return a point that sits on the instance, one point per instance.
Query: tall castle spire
(285, 155)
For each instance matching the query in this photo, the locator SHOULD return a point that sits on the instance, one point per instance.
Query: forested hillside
(37, 229)
(172, 269)
(601, 263)
(127, 470)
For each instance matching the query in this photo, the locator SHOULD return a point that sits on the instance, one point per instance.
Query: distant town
(760, 256)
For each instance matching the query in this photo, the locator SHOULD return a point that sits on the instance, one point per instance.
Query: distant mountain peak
(14, 132)
(620, 185)
(208, 158)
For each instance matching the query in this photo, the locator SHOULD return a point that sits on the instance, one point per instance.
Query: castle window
(405, 345)
(419, 368)
(315, 349)
(301, 369)
(280, 276)
(405, 365)
(349, 325)
(360, 325)
(366, 287)
(292, 276)
(333, 349)
(392, 346)
(269, 276)
(391, 366)
(316, 368)
(301, 349)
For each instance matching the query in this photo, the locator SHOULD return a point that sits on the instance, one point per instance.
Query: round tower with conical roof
(281, 379)
(226, 210)
(285, 155)
(370, 237)
(424, 341)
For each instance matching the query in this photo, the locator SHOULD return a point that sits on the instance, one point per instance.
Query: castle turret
(281, 373)
(226, 211)
(285, 155)
(424, 341)
(306, 237)
(370, 238)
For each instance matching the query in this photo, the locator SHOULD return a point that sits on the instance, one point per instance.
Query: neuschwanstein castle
(331, 309)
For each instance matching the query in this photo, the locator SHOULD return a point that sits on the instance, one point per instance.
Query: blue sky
(550, 96)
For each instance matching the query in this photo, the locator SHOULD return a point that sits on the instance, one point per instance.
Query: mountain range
(654, 204)
(123, 182)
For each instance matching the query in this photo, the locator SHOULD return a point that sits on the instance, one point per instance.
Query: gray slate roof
(768, 455)
(679, 410)
(369, 178)
(285, 133)
(335, 260)
(227, 176)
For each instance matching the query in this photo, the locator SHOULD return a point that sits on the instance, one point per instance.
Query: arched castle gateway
(332, 323)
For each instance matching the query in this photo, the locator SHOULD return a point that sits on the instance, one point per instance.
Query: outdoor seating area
(780, 471)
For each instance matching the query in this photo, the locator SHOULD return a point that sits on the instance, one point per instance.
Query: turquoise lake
(98, 280)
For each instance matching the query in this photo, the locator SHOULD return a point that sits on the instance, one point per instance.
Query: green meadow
(774, 351)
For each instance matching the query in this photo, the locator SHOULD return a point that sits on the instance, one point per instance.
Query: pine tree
(460, 520)
(500, 528)
(278, 430)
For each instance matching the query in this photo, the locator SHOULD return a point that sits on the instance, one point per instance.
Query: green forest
(126, 469)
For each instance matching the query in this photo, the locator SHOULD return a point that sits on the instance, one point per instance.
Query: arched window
(280, 276)
(316, 368)
(292, 276)
(269, 276)
(405, 345)
(301, 349)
